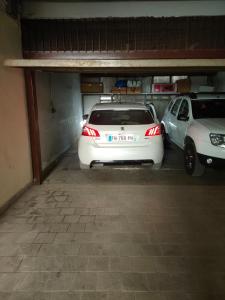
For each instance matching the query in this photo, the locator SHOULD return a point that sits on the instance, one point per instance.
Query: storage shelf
(131, 94)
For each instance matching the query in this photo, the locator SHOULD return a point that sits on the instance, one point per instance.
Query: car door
(172, 120)
(182, 122)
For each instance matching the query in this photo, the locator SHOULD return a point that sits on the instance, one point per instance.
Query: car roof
(118, 106)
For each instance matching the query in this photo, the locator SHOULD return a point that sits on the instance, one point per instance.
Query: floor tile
(114, 234)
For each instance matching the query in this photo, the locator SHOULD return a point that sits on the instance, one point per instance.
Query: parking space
(115, 234)
(171, 173)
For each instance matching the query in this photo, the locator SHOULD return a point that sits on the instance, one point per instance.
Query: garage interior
(109, 233)
(62, 103)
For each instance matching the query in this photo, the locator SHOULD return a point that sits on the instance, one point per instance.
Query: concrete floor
(111, 234)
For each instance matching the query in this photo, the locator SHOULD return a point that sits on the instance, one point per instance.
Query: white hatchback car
(120, 133)
(196, 124)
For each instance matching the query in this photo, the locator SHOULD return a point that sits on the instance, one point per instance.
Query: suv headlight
(217, 139)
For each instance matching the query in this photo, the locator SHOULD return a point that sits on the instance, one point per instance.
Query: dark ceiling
(81, 1)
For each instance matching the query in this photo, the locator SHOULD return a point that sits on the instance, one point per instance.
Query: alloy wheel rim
(189, 158)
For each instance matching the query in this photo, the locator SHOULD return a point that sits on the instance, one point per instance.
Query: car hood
(213, 125)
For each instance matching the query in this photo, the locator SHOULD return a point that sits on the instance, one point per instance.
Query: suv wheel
(191, 162)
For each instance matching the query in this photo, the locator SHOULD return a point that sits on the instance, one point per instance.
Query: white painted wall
(35, 9)
(219, 82)
(59, 130)
(197, 81)
(108, 82)
(15, 159)
(89, 101)
(160, 102)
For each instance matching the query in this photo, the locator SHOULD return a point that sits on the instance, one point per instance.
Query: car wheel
(84, 167)
(191, 162)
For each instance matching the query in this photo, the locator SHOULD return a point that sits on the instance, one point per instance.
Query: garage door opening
(64, 97)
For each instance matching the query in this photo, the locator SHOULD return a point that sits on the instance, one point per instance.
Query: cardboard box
(129, 90)
(183, 85)
(91, 87)
(163, 88)
(134, 90)
(116, 90)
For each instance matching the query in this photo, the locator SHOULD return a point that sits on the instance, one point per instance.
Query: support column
(32, 109)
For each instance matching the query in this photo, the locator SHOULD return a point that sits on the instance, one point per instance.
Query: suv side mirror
(183, 117)
(85, 117)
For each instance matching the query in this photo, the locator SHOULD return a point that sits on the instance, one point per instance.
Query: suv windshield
(203, 109)
(121, 117)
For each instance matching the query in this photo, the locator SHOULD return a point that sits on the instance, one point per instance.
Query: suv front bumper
(211, 161)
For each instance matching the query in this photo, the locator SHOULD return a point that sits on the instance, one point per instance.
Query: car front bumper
(211, 161)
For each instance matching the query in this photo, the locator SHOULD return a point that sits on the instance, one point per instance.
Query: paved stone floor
(113, 234)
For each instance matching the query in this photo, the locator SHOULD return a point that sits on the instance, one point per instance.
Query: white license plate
(121, 138)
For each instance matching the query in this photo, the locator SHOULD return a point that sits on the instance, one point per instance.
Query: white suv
(196, 124)
(120, 133)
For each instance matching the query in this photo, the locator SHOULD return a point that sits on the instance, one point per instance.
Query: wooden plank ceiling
(125, 38)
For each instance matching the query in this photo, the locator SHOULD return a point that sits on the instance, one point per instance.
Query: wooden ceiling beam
(88, 66)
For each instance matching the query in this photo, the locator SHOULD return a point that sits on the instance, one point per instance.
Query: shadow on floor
(171, 173)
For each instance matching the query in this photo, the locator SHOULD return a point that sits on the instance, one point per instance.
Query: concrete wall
(15, 160)
(53, 10)
(197, 81)
(59, 105)
(219, 82)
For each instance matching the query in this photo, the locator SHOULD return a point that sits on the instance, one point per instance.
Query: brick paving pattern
(66, 240)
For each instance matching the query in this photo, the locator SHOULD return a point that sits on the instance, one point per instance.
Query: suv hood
(213, 125)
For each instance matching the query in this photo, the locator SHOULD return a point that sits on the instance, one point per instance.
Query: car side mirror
(183, 118)
(85, 117)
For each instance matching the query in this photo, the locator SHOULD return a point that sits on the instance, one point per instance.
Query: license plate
(121, 138)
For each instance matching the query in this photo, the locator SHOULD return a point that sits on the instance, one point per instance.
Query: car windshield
(203, 109)
(121, 117)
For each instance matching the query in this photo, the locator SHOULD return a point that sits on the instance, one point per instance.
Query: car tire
(84, 166)
(192, 164)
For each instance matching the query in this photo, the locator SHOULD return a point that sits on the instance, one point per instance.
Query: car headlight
(217, 139)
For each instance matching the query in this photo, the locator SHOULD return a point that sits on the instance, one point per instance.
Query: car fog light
(209, 161)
